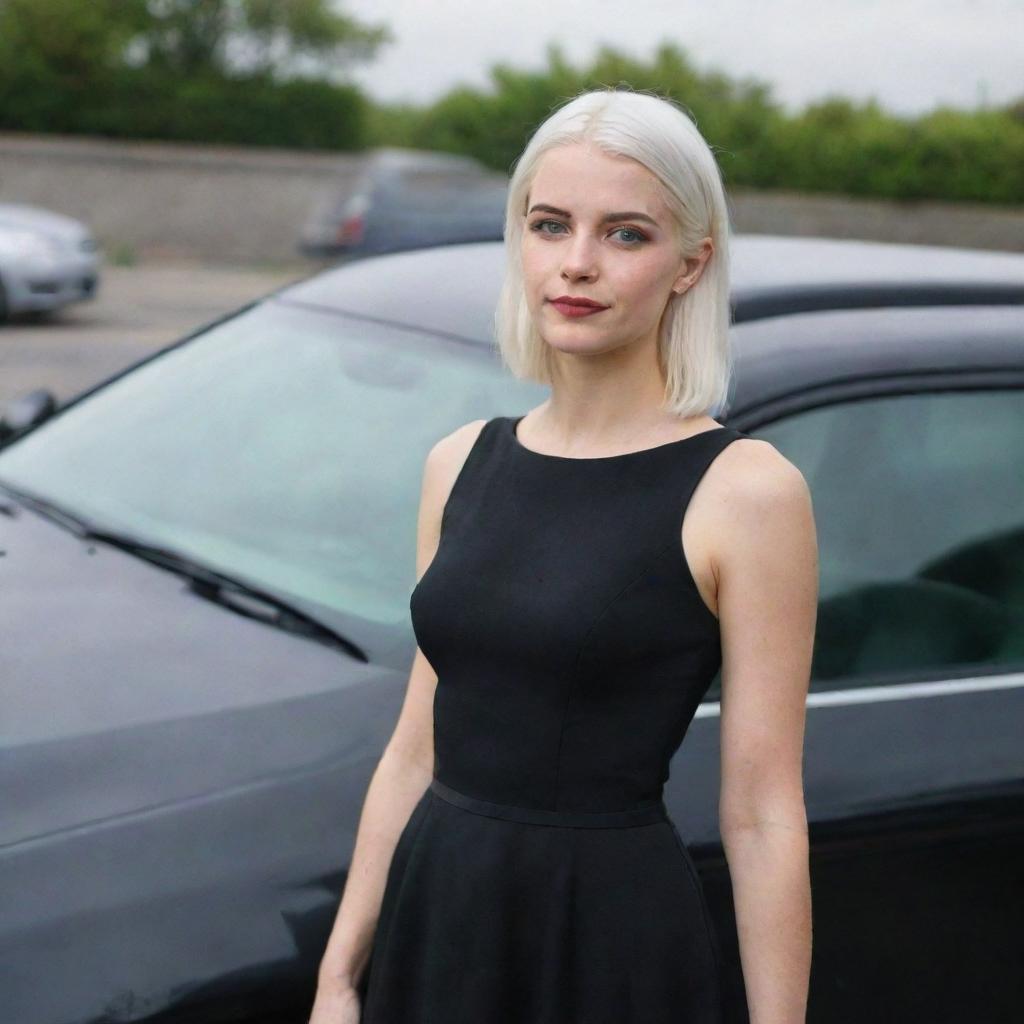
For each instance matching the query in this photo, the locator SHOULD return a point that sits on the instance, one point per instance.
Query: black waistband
(645, 814)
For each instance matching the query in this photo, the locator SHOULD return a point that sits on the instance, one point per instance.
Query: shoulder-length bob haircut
(693, 346)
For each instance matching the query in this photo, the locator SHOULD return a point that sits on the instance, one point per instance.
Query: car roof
(787, 360)
(452, 290)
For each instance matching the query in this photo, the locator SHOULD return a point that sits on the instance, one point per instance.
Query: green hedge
(144, 104)
(833, 146)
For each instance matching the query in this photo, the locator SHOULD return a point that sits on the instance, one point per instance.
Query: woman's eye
(538, 224)
(637, 236)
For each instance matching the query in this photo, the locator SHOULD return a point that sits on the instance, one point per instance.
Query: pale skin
(748, 536)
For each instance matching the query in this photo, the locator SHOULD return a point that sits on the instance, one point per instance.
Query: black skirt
(505, 915)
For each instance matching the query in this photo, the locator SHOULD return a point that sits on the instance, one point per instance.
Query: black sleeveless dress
(539, 879)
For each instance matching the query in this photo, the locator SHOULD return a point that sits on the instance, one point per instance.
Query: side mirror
(24, 413)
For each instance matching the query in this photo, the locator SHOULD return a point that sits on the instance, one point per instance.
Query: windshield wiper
(229, 591)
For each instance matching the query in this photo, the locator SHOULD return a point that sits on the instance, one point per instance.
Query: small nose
(579, 261)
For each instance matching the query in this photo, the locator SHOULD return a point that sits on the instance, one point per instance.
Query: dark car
(204, 585)
(406, 199)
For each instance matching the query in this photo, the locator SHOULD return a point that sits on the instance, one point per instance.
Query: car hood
(124, 690)
(23, 217)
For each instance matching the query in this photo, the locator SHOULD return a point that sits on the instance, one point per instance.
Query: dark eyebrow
(607, 219)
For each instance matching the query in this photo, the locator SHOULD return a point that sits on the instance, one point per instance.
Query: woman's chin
(592, 346)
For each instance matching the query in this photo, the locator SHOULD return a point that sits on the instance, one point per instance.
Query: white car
(47, 260)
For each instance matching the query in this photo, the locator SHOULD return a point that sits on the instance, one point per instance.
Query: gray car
(406, 199)
(47, 260)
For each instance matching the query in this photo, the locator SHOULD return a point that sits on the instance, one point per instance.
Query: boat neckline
(512, 423)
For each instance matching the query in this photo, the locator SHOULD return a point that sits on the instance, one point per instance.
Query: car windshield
(284, 445)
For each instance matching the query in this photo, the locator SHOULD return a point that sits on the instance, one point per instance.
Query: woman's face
(597, 228)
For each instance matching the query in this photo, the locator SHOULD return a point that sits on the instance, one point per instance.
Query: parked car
(47, 260)
(406, 199)
(207, 563)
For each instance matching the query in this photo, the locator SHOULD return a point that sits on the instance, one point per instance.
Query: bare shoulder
(749, 489)
(448, 453)
(444, 463)
(760, 499)
(755, 476)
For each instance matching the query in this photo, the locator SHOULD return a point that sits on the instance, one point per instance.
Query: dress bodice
(571, 644)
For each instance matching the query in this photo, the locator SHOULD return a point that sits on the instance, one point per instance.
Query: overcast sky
(910, 54)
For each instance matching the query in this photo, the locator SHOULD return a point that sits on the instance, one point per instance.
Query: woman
(514, 860)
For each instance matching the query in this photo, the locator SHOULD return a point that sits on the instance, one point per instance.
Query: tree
(246, 71)
(67, 38)
(277, 38)
(53, 52)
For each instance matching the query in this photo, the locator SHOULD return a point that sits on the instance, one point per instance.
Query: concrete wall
(246, 205)
(972, 225)
(164, 200)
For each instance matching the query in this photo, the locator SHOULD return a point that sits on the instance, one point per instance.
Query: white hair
(693, 347)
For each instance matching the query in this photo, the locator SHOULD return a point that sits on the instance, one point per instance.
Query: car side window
(919, 508)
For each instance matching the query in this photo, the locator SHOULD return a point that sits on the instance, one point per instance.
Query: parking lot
(138, 309)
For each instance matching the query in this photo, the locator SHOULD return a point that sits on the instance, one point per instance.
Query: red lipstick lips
(571, 306)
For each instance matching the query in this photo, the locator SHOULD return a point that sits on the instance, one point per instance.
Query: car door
(914, 757)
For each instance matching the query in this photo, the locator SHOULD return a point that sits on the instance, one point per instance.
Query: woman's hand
(335, 1003)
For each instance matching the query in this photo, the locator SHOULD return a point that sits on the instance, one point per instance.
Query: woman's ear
(694, 266)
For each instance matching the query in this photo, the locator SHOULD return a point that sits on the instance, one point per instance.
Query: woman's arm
(399, 780)
(405, 768)
(766, 562)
